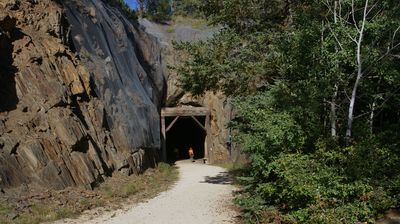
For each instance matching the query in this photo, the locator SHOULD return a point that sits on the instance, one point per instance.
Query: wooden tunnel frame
(178, 112)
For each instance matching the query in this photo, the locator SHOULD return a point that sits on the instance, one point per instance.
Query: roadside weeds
(35, 207)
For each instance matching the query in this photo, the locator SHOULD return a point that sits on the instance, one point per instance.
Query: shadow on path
(221, 178)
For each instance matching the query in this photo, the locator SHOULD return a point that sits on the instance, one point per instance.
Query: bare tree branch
(394, 35)
(353, 15)
(372, 7)
(352, 38)
(387, 53)
(395, 55)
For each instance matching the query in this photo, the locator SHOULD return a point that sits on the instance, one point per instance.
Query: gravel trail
(203, 194)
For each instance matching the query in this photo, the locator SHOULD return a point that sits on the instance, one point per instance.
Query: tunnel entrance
(184, 127)
(183, 134)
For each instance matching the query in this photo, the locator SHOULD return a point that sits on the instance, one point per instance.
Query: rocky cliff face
(80, 92)
(218, 103)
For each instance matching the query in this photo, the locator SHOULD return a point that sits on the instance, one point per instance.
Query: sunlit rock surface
(218, 103)
(80, 93)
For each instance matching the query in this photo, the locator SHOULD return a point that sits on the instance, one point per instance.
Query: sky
(132, 3)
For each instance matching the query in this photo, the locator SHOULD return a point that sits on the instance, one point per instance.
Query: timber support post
(207, 143)
(192, 112)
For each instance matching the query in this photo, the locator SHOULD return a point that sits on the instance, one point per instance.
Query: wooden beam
(198, 123)
(184, 111)
(172, 123)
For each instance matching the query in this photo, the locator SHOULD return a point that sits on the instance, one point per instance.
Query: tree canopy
(317, 89)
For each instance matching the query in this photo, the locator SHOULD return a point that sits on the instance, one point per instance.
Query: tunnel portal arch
(170, 117)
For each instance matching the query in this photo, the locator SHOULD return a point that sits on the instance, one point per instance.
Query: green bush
(326, 183)
(323, 187)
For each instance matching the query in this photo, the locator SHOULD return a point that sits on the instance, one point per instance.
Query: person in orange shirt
(191, 154)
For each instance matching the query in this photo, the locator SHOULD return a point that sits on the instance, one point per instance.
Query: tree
(305, 73)
(158, 10)
(141, 7)
(187, 7)
(121, 4)
(360, 26)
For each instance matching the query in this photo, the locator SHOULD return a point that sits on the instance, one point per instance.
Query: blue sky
(132, 3)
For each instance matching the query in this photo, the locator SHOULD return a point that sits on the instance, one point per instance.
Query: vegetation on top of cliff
(158, 10)
(121, 4)
(317, 88)
(187, 8)
(164, 10)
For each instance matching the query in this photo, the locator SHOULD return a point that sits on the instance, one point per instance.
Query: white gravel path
(202, 195)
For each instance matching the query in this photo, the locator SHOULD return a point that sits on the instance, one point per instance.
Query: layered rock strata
(80, 93)
(220, 150)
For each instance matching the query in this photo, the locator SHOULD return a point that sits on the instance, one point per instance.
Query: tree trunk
(333, 112)
(141, 7)
(371, 117)
(350, 116)
(336, 87)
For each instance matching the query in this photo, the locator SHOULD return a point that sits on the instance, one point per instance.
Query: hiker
(191, 154)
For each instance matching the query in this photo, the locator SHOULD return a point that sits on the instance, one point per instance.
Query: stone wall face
(218, 103)
(81, 90)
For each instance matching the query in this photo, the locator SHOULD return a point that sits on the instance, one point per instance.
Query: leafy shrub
(314, 188)
(263, 129)
(290, 183)
(164, 167)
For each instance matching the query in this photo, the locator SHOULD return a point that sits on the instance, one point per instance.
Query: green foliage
(187, 8)
(158, 10)
(229, 62)
(130, 13)
(263, 129)
(287, 64)
(165, 168)
(247, 15)
(170, 29)
(321, 187)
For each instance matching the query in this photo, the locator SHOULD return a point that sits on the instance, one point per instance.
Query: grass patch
(150, 183)
(37, 213)
(111, 194)
(196, 23)
(170, 29)
(199, 23)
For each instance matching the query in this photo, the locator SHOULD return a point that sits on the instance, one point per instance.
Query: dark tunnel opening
(185, 133)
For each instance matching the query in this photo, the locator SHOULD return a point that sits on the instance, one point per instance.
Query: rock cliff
(80, 91)
(218, 103)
